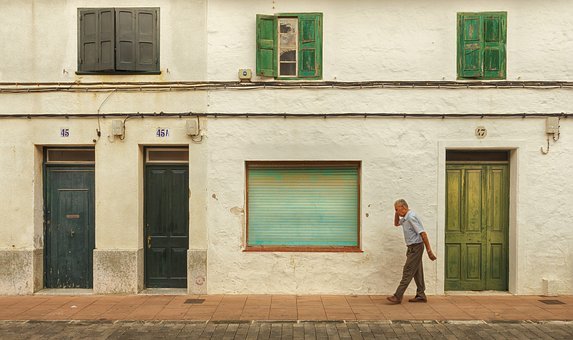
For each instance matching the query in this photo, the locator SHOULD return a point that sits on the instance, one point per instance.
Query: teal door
(166, 225)
(69, 231)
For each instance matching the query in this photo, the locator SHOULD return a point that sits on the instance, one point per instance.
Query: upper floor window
(289, 46)
(481, 45)
(118, 40)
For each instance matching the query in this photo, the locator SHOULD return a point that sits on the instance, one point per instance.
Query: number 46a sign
(162, 132)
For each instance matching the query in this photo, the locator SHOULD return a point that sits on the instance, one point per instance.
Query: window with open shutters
(303, 206)
(289, 46)
(481, 45)
(118, 40)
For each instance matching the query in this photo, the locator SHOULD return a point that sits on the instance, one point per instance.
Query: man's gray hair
(401, 202)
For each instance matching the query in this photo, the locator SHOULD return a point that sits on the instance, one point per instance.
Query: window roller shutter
(310, 45)
(470, 46)
(146, 39)
(494, 45)
(125, 39)
(96, 46)
(266, 45)
(303, 207)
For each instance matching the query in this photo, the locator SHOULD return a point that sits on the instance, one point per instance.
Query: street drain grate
(195, 301)
(552, 302)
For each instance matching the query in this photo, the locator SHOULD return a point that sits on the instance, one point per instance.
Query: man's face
(401, 210)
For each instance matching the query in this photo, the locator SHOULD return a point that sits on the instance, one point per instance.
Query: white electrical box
(245, 74)
(117, 127)
(192, 127)
(552, 125)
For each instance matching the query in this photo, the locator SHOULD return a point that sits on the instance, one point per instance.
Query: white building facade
(133, 156)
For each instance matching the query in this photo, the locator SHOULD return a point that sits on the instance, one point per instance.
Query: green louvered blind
(304, 206)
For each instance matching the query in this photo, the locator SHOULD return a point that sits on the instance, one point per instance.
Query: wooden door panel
(70, 232)
(167, 226)
(476, 227)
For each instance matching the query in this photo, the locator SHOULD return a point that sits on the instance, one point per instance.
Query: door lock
(148, 242)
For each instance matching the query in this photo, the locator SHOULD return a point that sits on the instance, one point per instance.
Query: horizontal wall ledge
(30, 87)
(288, 115)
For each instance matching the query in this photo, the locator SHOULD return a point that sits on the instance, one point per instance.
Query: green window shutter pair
(309, 45)
(312, 206)
(123, 39)
(481, 45)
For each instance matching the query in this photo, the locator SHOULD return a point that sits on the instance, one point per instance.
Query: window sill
(302, 249)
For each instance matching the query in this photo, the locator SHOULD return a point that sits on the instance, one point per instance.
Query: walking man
(416, 238)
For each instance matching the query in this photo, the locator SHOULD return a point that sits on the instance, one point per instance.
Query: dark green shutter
(147, 35)
(470, 46)
(303, 206)
(310, 45)
(96, 39)
(266, 45)
(125, 45)
(494, 45)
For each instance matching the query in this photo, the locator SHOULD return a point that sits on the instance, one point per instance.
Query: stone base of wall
(118, 271)
(197, 271)
(21, 271)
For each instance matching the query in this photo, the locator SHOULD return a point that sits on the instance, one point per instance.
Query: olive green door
(69, 231)
(166, 225)
(477, 226)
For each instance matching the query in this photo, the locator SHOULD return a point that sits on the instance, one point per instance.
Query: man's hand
(431, 255)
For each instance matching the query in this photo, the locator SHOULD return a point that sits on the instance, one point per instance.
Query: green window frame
(303, 206)
(482, 39)
(118, 40)
(308, 46)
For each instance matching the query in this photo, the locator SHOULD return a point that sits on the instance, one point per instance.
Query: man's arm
(396, 219)
(427, 244)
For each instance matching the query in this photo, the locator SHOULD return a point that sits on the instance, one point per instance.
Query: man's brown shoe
(418, 299)
(393, 300)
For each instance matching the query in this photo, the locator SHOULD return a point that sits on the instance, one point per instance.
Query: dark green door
(69, 238)
(166, 225)
(477, 224)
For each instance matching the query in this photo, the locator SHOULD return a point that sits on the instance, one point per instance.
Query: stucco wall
(401, 157)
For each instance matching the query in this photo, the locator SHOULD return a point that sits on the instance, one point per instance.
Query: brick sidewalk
(281, 307)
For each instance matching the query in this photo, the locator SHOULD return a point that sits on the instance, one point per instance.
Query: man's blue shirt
(412, 227)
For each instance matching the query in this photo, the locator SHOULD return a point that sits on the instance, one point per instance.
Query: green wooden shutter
(266, 45)
(125, 47)
(310, 45)
(96, 39)
(470, 45)
(147, 39)
(494, 45)
(303, 206)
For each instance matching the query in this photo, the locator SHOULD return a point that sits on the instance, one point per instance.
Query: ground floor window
(303, 206)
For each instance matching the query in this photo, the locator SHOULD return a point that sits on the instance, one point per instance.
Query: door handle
(148, 242)
(72, 233)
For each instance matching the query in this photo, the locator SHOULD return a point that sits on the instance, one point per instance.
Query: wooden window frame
(115, 71)
(294, 164)
(317, 43)
(502, 74)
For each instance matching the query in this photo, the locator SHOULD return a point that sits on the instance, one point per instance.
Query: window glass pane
(70, 156)
(314, 206)
(167, 156)
(288, 39)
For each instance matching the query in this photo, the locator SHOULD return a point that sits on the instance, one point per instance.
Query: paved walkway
(307, 330)
(234, 308)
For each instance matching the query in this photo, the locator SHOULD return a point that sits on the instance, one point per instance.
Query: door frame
(69, 165)
(515, 181)
(150, 164)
